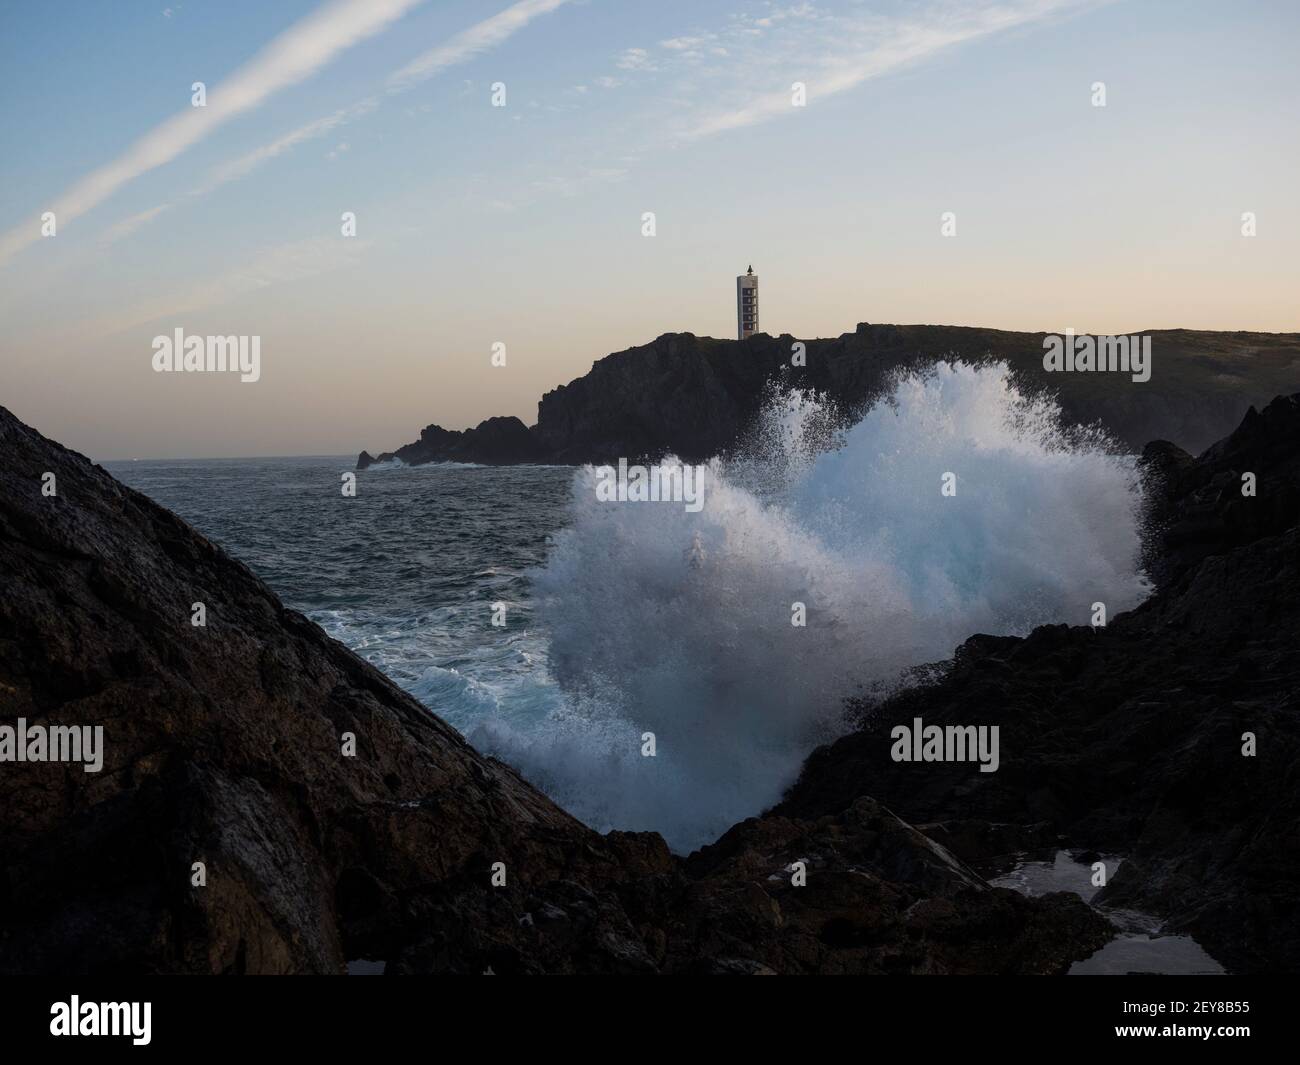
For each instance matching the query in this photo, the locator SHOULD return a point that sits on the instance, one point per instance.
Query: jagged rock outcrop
(224, 744)
(900, 903)
(1129, 738)
(495, 442)
(697, 396)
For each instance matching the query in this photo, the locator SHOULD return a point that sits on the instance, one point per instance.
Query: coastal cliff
(696, 396)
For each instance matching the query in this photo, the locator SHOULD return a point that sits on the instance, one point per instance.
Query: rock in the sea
(495, 442)
(230, 829)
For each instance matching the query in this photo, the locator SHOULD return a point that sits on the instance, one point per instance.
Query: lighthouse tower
(746, 304)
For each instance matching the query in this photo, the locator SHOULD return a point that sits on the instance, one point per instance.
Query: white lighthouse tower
(746, 304)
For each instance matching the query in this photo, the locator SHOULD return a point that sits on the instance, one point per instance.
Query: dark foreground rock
(1129, 738)
(223, 745)
(899, 903)
(696, 396)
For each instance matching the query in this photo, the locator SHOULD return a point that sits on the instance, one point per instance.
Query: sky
(522, 224)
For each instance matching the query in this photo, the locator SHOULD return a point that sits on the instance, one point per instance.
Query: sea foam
(679, 624)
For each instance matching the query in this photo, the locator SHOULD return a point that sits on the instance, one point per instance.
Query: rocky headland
(695, 397)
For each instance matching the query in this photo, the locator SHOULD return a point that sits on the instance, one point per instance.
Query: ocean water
(630, 620)
(405, 573)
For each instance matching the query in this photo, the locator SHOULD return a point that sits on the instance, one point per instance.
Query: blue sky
(522, 223)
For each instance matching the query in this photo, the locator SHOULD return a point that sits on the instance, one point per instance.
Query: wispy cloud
(833, 53)
(129, 225)
(458, 49)
(250, 161)
(241, 167)
(740, 72)
(292, 57)
(635, 59)
(686, 44)
(471, 42)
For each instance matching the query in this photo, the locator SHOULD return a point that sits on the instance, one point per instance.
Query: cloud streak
(246, 164)
(471, 42)
(833, 54)
(293, 56)
(460, 48)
